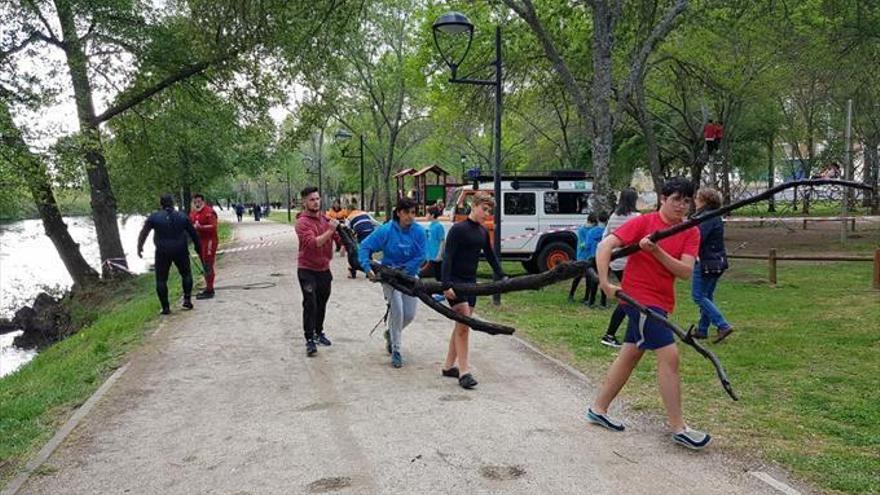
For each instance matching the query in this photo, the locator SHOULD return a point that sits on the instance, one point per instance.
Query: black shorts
(471, 300)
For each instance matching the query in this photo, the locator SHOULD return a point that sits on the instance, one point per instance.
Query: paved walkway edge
(43, 455)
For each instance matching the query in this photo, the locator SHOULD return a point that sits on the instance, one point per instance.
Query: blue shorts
(644, 332)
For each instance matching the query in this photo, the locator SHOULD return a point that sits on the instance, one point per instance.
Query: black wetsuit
(170, 229)
(465, 242)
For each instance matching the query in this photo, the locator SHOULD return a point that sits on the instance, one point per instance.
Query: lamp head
(453, 34)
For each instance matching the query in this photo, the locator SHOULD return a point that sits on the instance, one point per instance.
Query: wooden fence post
(771, 259)
(877, 269)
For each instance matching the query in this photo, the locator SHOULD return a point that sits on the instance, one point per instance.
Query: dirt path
(224, 401)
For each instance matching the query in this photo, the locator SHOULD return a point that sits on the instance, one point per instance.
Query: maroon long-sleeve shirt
(308, 228)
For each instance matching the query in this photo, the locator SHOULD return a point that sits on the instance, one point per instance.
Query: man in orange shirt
(204, 219)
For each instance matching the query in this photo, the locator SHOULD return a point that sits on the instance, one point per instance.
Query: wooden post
(771, 259)
(877, 269)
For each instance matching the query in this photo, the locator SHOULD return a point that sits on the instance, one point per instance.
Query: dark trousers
(316, 291)
(590, 291)
(619, 315)
(164, 259)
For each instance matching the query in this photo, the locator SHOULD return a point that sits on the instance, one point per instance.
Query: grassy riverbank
(804, 360)
(38, 398)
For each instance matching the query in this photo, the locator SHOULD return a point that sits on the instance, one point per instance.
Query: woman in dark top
(709, 267)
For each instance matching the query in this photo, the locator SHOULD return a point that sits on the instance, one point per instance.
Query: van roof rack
(553, 175)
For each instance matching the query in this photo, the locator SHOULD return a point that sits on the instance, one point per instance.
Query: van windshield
(452, 201)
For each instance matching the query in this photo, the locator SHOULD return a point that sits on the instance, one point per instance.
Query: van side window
(519, 203)
(566, 203)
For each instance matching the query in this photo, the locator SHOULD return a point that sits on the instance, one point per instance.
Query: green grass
(805, 360)
(821, 208)
(281, 216)
(37, 399)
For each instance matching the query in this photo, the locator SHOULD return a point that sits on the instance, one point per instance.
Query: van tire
(553, 254)
(531, 266)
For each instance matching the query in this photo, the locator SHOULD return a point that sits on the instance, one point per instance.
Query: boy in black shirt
(464, 243)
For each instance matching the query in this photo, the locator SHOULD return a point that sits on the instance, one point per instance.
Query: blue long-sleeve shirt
(588, 240)
(401, 248)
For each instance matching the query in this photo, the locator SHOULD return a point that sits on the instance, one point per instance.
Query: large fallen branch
(423, 289)
(408, 285)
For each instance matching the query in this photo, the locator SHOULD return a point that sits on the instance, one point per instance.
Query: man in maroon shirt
(650, 280)
(316, 236)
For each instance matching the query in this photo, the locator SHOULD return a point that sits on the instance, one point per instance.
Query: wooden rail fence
(773, 259)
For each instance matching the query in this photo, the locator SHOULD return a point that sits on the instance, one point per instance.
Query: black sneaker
(187, 304)
(467, 381)
(610, 341)
(311, 348)
(323, 340)
(205, 294)
(451, 372)
(165, 311)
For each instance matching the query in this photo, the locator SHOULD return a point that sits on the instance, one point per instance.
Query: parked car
(539, 215)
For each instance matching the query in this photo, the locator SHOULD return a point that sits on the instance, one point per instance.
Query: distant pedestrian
(170, 229)
(239, 211)
(257, 212)
(434, 247)
(589, 237)
(316, 235)
(710, 137)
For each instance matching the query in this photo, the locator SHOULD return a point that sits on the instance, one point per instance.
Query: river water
(29, 264)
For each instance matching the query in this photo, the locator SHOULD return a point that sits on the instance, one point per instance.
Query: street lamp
(452, 30)
(345, 136)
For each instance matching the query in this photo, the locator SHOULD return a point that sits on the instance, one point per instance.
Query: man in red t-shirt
(650, 280)
(204, 219)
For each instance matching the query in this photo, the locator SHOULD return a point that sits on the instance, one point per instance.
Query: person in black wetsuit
(170, 230)
(465, 242)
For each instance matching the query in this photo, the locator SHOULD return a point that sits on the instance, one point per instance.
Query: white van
(540, 214)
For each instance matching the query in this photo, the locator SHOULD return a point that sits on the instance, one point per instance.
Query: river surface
(29, 264)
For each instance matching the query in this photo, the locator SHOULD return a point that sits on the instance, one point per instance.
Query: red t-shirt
(719, 132)
(709, 132)
(645, 278)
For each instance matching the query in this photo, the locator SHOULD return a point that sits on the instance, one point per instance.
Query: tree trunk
(37, 179)
(103, 202)
(725, 170)
(872, 168)
(647, 125)
(771, 175)
(604, 19)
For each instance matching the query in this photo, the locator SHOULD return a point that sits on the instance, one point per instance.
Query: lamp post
(288, 194)
(345, 135)
(452, 27)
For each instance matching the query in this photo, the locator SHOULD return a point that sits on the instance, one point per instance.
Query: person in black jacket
(171, 228)
(709, 267)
